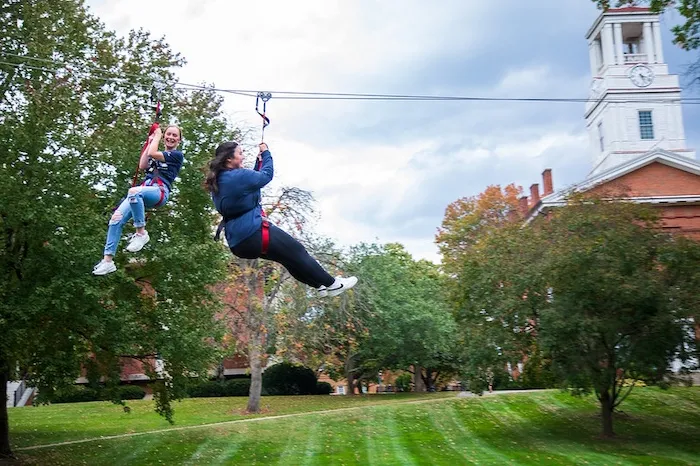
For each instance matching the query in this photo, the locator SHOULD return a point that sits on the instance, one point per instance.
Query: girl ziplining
(236, 195)
(161, 170)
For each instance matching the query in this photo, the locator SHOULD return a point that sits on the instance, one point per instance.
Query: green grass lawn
(656, 428)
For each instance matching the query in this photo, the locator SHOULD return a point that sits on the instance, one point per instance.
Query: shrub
(215, 388)
(237, 387)
(131, 392)
(403, 382)
(323, 388)
(74, 394)
(81, 394)
(210, 388)
(289, 379)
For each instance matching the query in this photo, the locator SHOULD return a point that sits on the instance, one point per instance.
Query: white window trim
(639, 123)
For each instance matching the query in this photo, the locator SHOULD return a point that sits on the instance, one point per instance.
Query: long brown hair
(218, 164)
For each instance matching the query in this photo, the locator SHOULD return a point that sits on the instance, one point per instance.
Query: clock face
(641, 75)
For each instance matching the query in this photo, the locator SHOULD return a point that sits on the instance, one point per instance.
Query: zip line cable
(299, 95)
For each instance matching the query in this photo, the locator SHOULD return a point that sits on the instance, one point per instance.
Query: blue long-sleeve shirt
(238, 199)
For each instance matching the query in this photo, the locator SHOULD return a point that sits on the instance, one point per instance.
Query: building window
(340, 389)
(601, 137)
(646, 125)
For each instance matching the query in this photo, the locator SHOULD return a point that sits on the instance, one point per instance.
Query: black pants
(287, 251)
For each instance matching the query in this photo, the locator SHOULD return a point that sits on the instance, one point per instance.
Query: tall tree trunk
(349, 376)
(5, 450)
(256, 300)
(428, 379)
(418, 384)
(255, 361)
(606, 406)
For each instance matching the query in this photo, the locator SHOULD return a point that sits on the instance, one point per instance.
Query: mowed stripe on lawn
(225, 423)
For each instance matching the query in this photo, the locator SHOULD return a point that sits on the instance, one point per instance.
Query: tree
(467, 221)
(411, 326)
(72, 121)
(686, 35)
(396, 318)
(326, 334)
(502, 289)
(602, 308)
(254, 287)
(473, 238)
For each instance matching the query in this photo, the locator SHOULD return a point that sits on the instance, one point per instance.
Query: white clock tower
(634, 104)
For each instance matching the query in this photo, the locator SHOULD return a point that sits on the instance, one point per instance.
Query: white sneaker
(340, 285)
(104, 267)
(322, 293)
(137, 242)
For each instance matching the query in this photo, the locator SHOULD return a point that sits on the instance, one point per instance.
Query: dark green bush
(131, 392)
(81, 394)
(403, 382)
(237, 387)
(323, 388)
(74, 394)
(289, 379)
(214, 388)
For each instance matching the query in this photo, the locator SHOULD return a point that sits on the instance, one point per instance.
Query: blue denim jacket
(238, 199)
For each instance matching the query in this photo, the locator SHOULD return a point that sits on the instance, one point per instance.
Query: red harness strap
(265, 233)
(161, 185)
(265, 222)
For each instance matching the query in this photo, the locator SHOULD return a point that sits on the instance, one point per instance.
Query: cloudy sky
(385, 171)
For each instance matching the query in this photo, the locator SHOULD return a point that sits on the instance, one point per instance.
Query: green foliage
(411, 322)
(214, 388)
(69, 145)
(79, 394)
(593, 287)
(403, 382)
(289, 379)
(538, 372)
(323, 388)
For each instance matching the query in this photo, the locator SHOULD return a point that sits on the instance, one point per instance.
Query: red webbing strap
(265, 222)
(161, 185)
(265, 234)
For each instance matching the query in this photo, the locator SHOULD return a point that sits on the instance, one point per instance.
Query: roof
(680, 162)
(628, 9)
(614, 11)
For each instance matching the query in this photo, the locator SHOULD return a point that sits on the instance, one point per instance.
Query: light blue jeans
(135, 204)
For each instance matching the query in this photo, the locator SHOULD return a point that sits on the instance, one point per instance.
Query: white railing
(636, 58)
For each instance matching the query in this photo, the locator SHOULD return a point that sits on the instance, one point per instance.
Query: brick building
(635, 125)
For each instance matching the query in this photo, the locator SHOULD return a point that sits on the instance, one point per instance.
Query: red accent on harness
(161, 185)
(265, 233)
(265, 222)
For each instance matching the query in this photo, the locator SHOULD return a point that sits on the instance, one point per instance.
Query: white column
(608, 51)
(680, 129)
(658, 46)
(648, 43)
(593, 57)
(618, 44)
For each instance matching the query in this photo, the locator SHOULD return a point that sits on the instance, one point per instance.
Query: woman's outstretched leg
(289, 252)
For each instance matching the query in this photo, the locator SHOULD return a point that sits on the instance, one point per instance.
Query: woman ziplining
(236, 195)
(161, 170)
